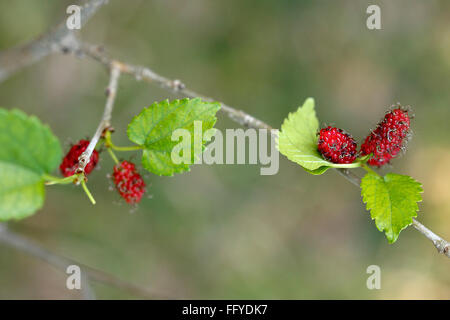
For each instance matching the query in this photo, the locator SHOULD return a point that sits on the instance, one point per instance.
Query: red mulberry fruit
(69, 164)
(387, 140)
(128, 182)
(337, 146)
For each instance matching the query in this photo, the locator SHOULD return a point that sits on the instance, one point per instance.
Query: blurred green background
(224, 231)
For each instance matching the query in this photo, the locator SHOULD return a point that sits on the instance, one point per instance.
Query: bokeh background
(224, 231)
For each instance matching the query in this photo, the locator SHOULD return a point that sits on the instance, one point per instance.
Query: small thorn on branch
(177, 85)
(442, 246)
(65, 50)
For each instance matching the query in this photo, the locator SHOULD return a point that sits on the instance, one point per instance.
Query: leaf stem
(369, 169)
(359, 162)
(113, 156)
(346, 165)
(86, 190)
(365, 158)
(130, 148)
(51, 180)
(110, 144)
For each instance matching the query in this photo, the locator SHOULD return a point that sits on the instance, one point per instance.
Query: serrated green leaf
(28, 151)
(21, 191)
(25, 141)
(154, 126)
(392, 201)
(298, 138)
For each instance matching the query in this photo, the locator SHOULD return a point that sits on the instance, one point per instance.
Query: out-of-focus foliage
(224, 231)
(28, 150)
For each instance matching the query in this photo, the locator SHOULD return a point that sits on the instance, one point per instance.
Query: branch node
(442, 246)
(177, 85)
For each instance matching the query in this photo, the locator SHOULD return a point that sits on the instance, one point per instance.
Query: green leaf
(317, 171)
(28, 151)
(298, 139)
(25, 141)
(154, 126)
(21, 191)
(392, 201)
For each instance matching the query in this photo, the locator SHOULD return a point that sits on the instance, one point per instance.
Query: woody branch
(14, 59)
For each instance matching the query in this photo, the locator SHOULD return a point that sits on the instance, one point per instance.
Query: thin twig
(441, 245)
(106, 118)
(175, 86)
(16, 58)
(23, 244)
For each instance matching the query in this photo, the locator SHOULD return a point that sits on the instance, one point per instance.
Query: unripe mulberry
(387, 140)
(69, 165)
(337, 146)
(128, 182)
